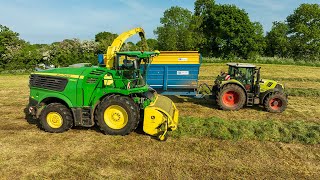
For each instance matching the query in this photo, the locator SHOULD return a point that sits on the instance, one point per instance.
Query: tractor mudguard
(231, 81)
(160, 116)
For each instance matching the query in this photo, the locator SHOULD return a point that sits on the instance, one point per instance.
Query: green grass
(271, 130)
(303, 92)
(195, 151)
(265, 60)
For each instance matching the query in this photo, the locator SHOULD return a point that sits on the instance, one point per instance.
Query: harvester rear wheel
(276, 102)
(56, 118)
(117, 115)
(231, 97)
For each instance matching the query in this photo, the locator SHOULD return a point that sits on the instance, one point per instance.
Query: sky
(48, 21)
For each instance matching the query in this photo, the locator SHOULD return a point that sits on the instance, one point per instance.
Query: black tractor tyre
(276, 102)
(231, 97)
(128, 106)
(56, 118)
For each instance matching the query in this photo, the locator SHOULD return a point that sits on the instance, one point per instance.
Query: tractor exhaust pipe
(258, 75)
(257, 86)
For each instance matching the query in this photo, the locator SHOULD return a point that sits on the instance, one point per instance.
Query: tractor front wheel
(276, 102)
(231, 97)
(117, 115)
(56, 118)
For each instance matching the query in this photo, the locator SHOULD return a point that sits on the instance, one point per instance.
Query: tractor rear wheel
(56, 118)
(276, 102)
(231, 97)
(117, 115)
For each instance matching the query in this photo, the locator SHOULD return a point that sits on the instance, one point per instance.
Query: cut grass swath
(271, 130)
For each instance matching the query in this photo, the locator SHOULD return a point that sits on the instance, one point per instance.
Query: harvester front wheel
(56, 118)
(117, 115)
(231, 97)
(276, 102)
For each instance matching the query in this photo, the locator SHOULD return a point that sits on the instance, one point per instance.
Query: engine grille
(269, 84)
(48, 82)
(92, 80)
(97, 72)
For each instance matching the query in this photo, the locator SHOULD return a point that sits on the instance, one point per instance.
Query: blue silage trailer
(175, 73)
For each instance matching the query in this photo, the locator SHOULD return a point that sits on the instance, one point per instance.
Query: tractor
(242, 85)
(113, 95)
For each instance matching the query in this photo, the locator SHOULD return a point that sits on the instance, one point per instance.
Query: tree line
(216, 30)
(225, 31)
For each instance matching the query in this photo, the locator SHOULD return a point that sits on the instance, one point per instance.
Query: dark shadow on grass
(95, 128)
(30, 119)
(256, 107)
(206, 101)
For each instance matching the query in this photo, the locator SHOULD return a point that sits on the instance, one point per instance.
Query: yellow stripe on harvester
(61, 75)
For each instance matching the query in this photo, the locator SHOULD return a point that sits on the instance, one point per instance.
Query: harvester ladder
(250, 99)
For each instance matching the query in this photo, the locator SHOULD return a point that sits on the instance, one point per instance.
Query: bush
(264, 60)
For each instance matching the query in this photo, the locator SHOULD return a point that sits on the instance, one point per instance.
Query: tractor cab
(247, 74)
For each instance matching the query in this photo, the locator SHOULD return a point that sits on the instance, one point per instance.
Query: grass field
(82, 153)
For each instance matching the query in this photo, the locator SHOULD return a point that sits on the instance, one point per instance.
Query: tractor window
(245, 75)
(125, 61)
(231, 71)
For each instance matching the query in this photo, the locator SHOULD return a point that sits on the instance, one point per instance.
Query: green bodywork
(263, 84)
(87, 85)
(269, 85)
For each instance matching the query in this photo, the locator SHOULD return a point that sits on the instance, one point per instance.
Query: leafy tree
(199, 23)
(175, 34)
(129, 46)
(152, 45)
(105, 36)
(203, 7)
(228, 30)
(260, 42)
(26, 58)
(304, 32)
(10, 44)
(104, 40)
(71, 51)
(232, 34)
(277, 40)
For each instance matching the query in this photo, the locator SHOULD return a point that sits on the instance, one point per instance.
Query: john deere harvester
(242, 85)
(113, 95)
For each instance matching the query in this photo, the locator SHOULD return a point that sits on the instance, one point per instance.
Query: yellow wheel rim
(54, 120)
(116, 117)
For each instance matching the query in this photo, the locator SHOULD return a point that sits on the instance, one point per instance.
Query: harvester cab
(133, 65)
(242, 85)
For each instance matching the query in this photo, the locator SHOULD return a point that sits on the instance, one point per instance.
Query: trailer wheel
(276, 102)
(231, 97)
(56, 118)
(117, 115)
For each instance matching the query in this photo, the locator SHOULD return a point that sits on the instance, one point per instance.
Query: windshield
(132, 69)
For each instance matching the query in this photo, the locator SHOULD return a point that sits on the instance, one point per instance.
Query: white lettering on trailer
(182, 59)
(182, 72)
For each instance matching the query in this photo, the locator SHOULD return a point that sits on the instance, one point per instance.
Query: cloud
(269, 5)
